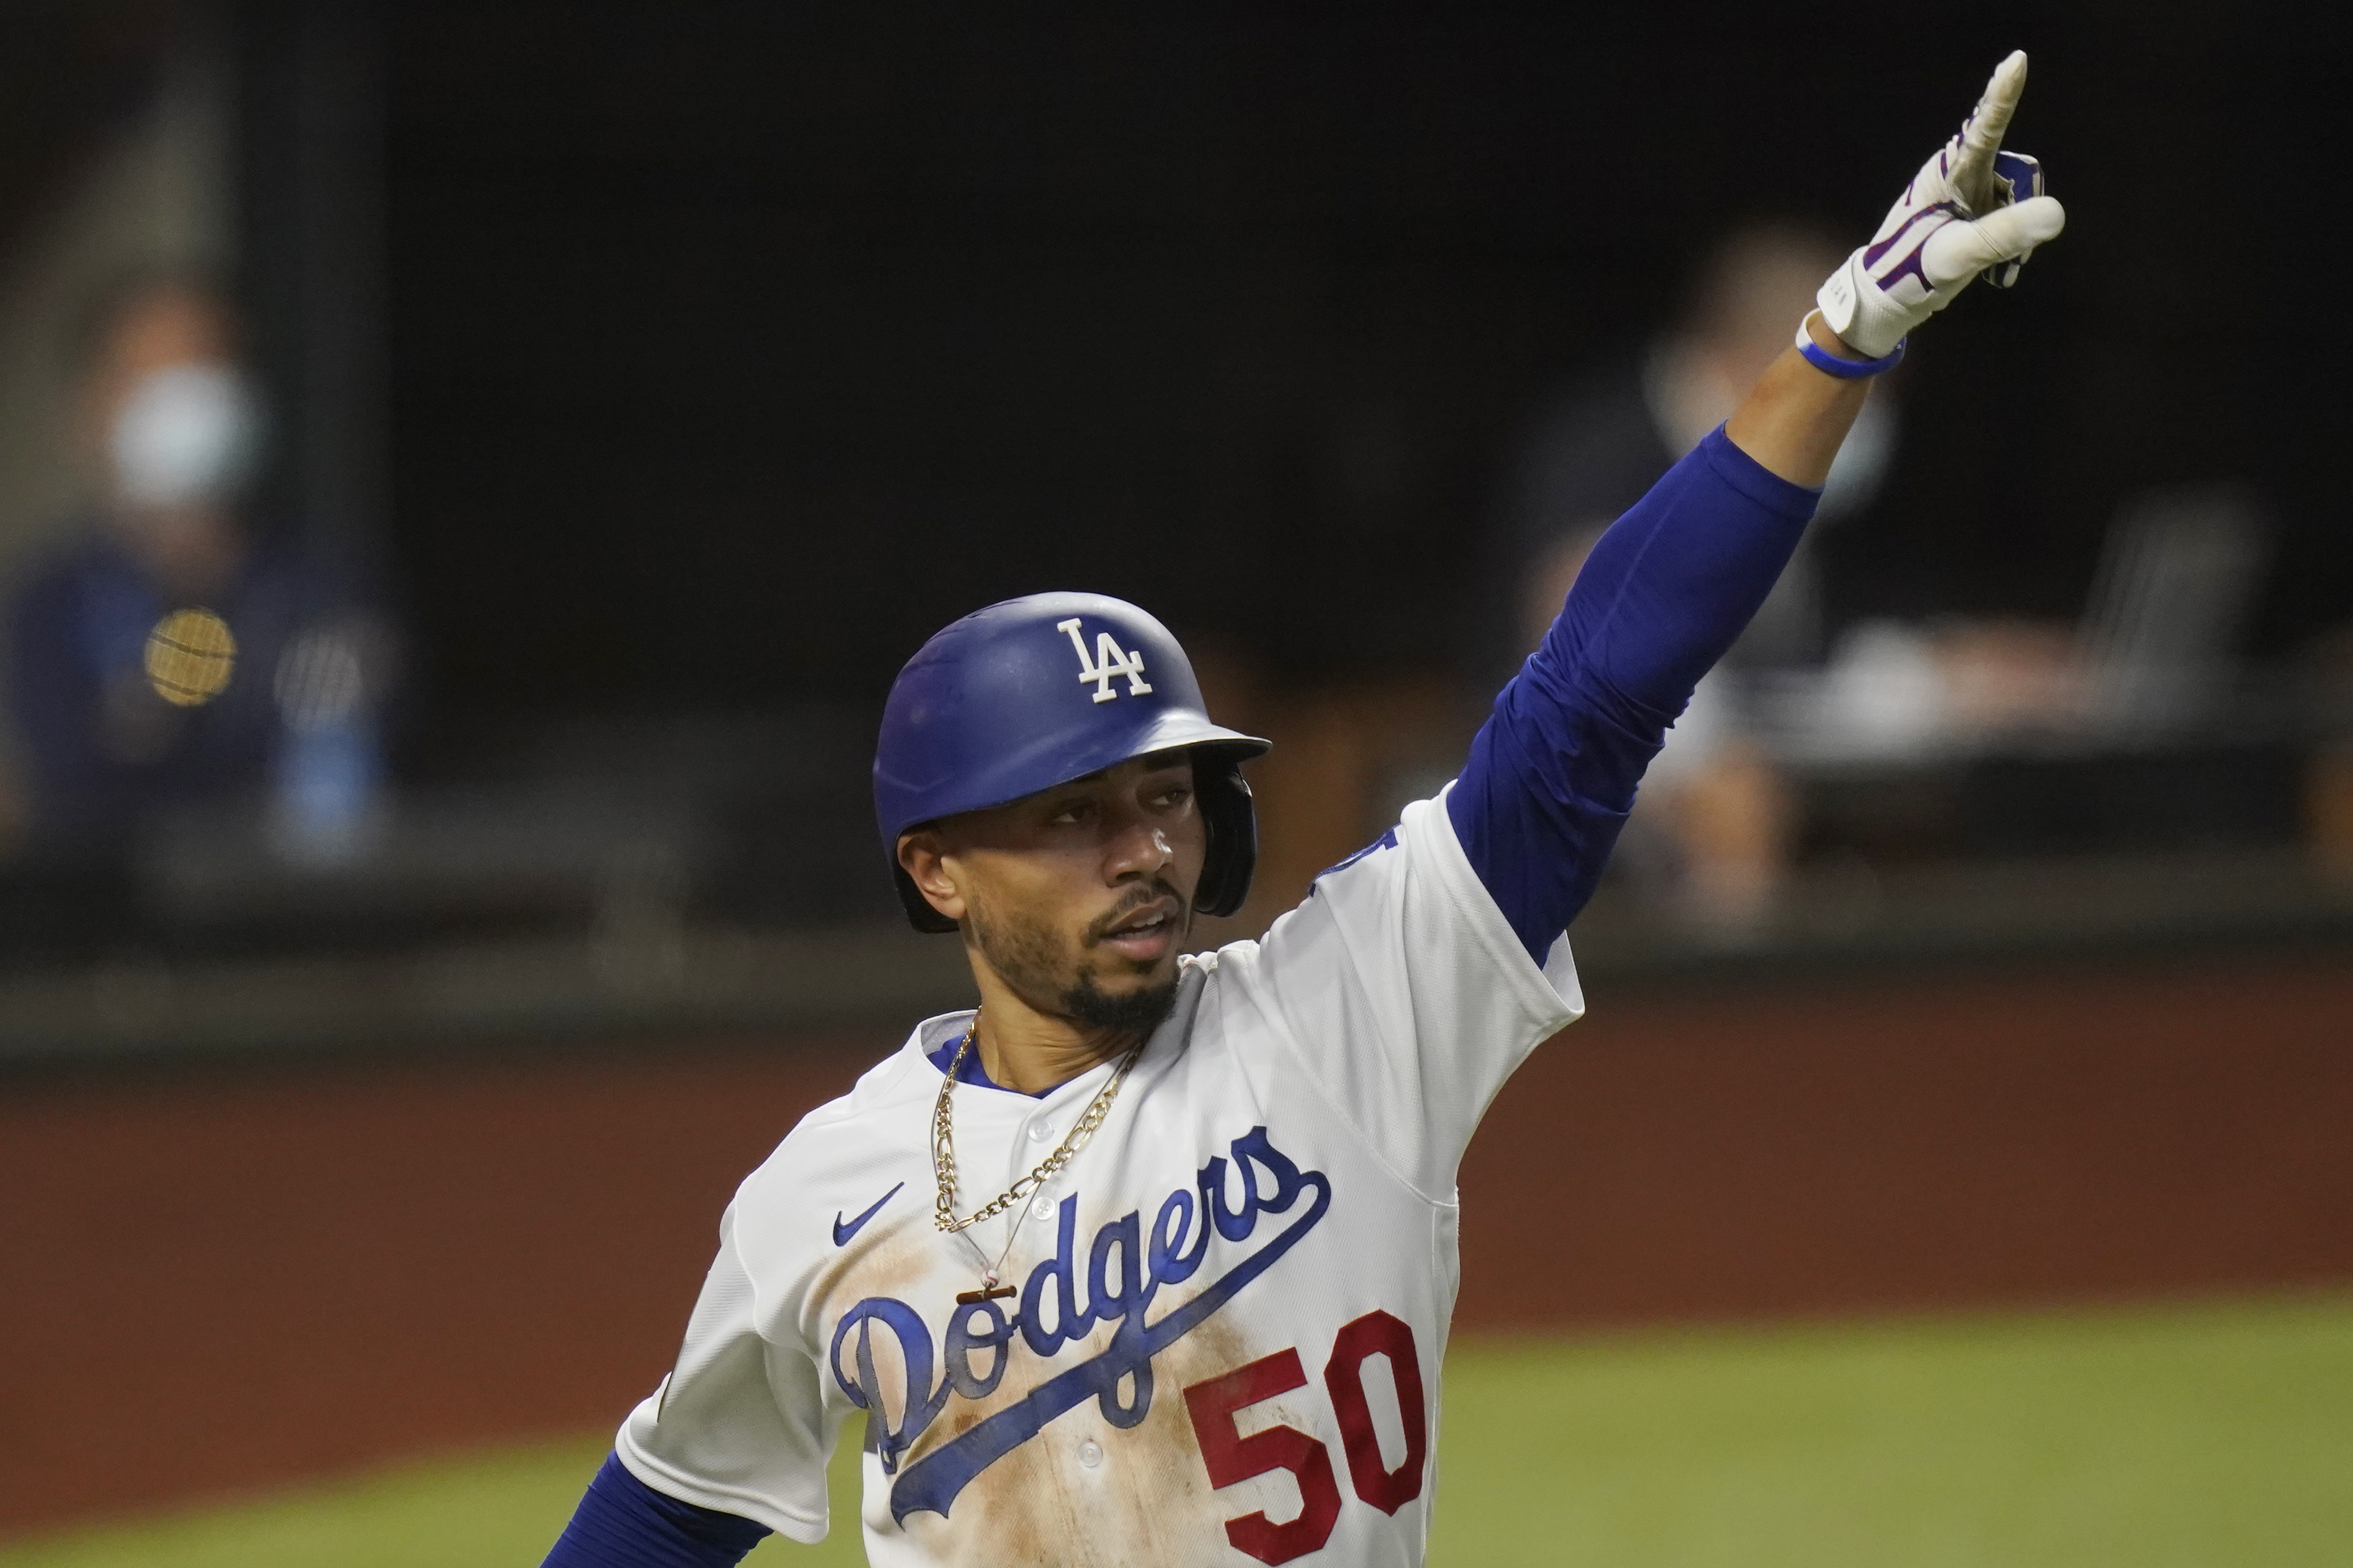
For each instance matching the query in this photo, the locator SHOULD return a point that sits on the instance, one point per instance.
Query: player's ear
(923, 856)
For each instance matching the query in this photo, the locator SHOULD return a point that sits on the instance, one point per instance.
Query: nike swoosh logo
(842, 1233)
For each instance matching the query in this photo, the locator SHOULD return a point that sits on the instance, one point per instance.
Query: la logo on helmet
(1109, 663)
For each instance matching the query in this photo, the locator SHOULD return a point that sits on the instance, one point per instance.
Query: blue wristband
(1829, 364)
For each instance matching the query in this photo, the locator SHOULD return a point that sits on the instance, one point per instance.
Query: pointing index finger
(1981, 133)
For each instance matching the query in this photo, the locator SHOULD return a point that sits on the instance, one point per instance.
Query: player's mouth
(1144, 932)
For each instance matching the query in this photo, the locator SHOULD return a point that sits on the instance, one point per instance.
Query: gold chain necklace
(943, 1163)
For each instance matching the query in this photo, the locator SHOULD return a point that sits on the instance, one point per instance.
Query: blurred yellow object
(190, 656)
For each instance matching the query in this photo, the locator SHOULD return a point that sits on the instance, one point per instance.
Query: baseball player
(1150, 1258)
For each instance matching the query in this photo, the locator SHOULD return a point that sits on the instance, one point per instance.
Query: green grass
(2217, 1435)
(502, 1508)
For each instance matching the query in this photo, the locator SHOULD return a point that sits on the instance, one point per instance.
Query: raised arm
(1552, 775)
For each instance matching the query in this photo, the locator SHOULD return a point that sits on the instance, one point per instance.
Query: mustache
(1144, 893)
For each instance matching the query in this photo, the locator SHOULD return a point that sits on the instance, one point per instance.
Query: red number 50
(1232, 1457)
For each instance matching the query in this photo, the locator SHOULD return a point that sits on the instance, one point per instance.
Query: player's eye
(1072, 810)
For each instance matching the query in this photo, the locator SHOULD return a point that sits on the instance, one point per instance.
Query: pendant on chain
(943, 1163)
(986, 1293)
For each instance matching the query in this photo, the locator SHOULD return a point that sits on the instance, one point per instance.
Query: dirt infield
(219, 1281)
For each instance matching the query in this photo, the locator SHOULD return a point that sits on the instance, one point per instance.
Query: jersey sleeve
(1420, 972)
(740, 1425)
(1407, 995)
(1665, 592)
(622, 1522)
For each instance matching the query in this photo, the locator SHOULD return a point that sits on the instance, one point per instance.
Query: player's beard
(1134, 1014)
(1035, 960)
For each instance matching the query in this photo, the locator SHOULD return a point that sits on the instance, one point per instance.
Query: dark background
(735, 347)
(728, 348)
(676, 370)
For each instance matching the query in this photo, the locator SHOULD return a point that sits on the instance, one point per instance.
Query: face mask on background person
(187, 433)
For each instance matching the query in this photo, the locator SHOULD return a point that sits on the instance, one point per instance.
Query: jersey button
(1091, 1453)
(1042, 1210)
(1039, 1132)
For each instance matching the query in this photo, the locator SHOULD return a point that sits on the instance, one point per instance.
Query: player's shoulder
(838, 1139)
(1303, 940)
(1408, 899)
(1374, 874)
(896, 1079)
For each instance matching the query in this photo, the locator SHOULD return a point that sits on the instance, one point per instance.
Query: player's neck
(1032, 1051)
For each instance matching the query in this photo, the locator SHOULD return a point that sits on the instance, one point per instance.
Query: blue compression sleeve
(1665, 592)
(624, 1524)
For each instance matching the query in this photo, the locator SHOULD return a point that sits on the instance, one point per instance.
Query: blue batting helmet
(1035, 692)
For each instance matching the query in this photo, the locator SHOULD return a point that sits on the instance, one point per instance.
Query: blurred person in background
(1711, 837)
(172, 650)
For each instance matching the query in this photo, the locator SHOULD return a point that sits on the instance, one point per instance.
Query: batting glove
(1972, 209)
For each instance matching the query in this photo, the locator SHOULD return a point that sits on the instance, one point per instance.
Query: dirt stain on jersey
(1144, 1500)
(887, 1261)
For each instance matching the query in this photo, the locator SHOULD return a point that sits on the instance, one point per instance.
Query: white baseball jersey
(1233, 1302)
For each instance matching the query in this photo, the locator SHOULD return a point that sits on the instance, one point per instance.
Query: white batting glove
(1971, 209)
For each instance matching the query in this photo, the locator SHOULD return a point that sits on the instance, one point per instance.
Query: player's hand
(1972, 209)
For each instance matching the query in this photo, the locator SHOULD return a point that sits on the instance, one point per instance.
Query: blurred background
(468, 475)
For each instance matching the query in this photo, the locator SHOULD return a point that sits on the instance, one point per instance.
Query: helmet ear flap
(1231, 818)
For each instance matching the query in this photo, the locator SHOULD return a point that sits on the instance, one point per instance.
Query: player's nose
(1136, 847)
